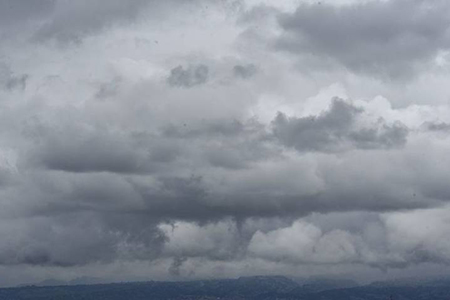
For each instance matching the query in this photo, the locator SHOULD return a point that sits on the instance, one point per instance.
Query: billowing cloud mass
(330, 130)
(198, 139)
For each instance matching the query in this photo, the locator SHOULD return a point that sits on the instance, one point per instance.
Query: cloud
(109, 89)
(303, 243)
(437, 126)
(336, 129)
(71, 21)
(198, 174)
(91, 154)
(385, 39)
(73, 240)
(14, 13)
(10, 81)
(395, 240)
(192, 76)
(152, 148)
(177, 263)
(417, 242)
(244, 71)
(218, 241)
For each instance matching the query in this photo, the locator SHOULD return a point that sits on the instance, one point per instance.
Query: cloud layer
(176, 140)
(382, 38)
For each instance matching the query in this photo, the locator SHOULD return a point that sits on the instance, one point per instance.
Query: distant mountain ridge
(243, 288)
(77, 281)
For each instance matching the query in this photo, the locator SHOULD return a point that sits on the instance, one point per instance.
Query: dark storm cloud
(80, 239)
(217, 147)
(203, 172)
(100, 232)
(110, 215)
(193, 198)
(382, 38)
(101, 152)
(188, 77)
(335, 129)
(227, 144)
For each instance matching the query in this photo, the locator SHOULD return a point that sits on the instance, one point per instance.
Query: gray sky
(192, 139)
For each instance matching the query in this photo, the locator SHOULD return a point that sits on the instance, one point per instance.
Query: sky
(180, 140)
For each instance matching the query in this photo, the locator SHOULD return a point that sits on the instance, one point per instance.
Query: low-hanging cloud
(244, 170)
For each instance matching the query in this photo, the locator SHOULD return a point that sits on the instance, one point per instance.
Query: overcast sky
(170, 140)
